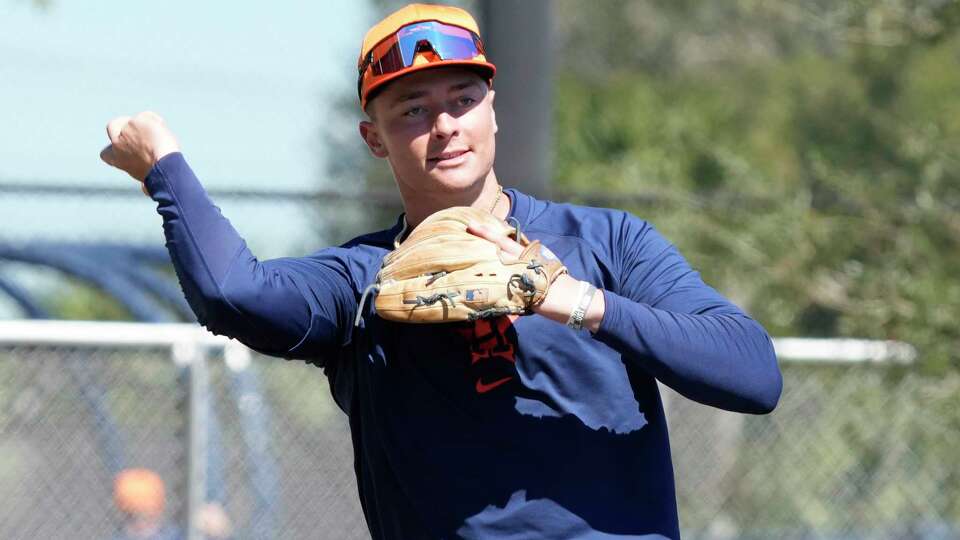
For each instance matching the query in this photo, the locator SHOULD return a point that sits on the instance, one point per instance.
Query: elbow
(769, 387)
(266, 322)
(768, 394)
(207, 307)
(221, 309)
(215, 313)
(206, 300)
(760, 398)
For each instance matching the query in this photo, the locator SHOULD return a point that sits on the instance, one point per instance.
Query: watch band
(587, 290)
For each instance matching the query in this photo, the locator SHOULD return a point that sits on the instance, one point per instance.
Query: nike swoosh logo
(483, 388)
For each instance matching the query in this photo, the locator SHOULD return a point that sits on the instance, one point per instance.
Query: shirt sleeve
(683, 332)
(289, 307)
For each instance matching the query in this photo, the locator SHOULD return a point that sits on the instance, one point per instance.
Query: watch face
(576, 318)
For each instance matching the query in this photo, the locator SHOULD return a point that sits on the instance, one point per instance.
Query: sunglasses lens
(388, 61)
(410, 36)
(398, 52)
(456, 44)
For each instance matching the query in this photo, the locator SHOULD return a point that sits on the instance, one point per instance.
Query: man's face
(436, 128)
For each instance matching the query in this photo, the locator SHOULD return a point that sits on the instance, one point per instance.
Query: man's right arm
(296, 308)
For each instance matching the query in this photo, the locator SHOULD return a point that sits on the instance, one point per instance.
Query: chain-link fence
(259, 439)
(854, 450)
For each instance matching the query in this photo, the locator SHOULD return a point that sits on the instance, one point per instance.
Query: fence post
(192, 357)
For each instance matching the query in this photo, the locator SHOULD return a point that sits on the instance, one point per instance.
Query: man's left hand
(562, 298)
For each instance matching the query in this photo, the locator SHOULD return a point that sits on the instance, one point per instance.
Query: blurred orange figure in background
(140, 495)
(140, 492)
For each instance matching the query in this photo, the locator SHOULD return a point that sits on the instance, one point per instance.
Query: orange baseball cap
(416, 37)
(139, 491)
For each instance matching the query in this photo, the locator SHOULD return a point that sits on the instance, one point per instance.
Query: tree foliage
(803, 156)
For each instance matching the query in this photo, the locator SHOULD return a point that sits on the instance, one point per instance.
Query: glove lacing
(375, 286)
(363, 300)
(433, 299)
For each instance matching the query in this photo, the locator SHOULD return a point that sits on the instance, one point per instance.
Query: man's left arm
(677, 328)
(673, 325)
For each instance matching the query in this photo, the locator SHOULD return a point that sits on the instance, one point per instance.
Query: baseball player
(543, 422)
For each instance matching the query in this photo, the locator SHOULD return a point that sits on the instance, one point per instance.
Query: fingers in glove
(505, 243)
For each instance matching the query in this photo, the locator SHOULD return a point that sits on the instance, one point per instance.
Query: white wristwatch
(587, 290)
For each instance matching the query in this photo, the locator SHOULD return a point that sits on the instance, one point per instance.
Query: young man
(540, 426)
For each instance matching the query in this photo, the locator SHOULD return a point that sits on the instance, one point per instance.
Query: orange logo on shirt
(483, 388)
(492, 351)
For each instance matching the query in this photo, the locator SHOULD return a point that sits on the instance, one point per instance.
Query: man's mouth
(446, 156)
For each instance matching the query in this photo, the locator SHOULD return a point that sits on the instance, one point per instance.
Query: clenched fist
(137, 143)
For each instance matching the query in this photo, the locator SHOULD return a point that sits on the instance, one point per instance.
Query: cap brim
(484, 69)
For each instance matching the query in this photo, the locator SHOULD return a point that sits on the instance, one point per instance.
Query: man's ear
(368, 130)
(493, 111)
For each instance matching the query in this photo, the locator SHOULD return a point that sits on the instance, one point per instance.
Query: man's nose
(445, 126)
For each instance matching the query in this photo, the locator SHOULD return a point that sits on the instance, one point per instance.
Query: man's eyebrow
(420, 93)
(462, 85)
(410, 95)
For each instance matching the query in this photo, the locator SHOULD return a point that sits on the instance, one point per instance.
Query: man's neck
(488, 196)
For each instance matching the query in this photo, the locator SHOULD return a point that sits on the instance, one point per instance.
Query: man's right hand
(137, 143)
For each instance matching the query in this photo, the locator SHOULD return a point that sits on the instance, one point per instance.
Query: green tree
(802, 155)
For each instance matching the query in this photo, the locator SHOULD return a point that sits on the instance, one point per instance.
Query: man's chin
(456, 180)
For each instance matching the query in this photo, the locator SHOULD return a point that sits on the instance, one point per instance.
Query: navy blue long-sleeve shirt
(514, 427)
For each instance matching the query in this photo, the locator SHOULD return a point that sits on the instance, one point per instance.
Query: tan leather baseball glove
(442, 273)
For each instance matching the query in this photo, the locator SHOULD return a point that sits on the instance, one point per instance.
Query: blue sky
(246, 90)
